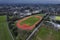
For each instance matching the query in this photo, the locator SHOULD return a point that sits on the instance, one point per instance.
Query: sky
(31, 1)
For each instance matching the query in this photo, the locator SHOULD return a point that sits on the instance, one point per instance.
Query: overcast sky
(30, 1)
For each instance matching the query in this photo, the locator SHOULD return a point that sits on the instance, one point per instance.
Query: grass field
(30, 21)
(57, 18)
(4, 33)
(45, 33)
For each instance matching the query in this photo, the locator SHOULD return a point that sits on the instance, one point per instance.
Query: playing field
(45, 33)
(57, 18)
(4, 33)
(28, 23)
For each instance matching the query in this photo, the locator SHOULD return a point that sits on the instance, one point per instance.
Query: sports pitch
(57, 18)
(29, 22)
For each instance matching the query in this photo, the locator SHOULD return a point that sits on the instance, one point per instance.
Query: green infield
(30, 21)
(4, 33)
(57, 18)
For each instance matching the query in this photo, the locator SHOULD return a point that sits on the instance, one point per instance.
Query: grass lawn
(4, 33)
(47, 34)
(30, 21)
(57, 18)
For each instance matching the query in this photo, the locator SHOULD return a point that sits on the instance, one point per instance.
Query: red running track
(25, 26)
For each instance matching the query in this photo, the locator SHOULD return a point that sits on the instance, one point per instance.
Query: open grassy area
(4, 33)
(30, 21)
(57, 18)
(45, 33)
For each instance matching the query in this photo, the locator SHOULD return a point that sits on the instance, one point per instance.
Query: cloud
(29, 1)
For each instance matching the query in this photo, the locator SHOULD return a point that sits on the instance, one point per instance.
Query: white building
(54, 25)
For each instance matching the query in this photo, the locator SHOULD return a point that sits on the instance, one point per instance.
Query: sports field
(29, 22)
(4, 33)
(45, 33)
(33, 19)
(57, 18)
